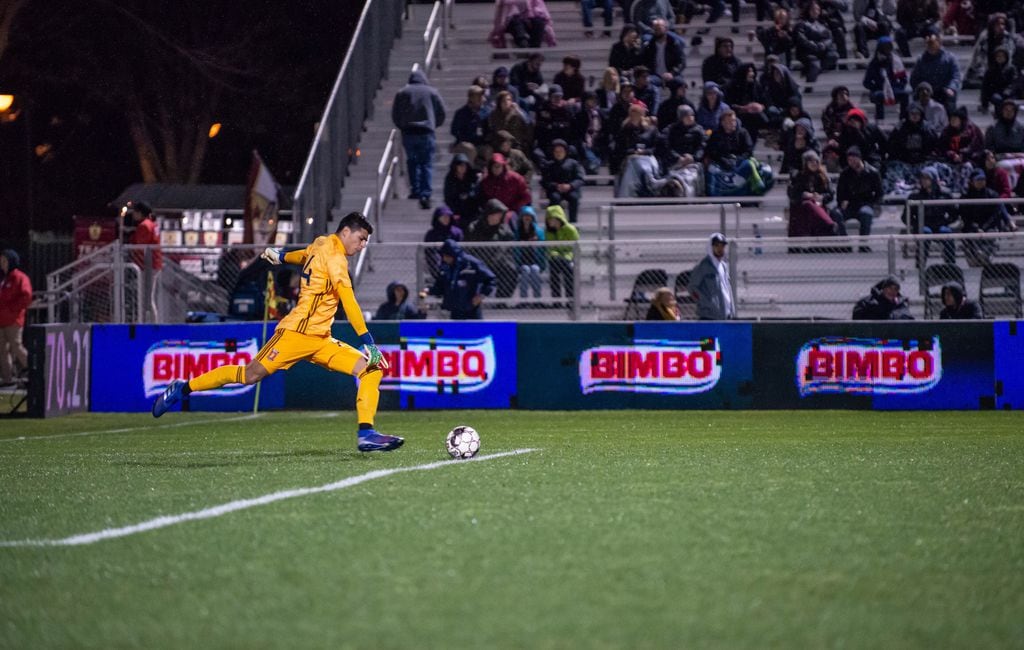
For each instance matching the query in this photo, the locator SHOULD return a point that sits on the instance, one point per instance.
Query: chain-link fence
(773, 278)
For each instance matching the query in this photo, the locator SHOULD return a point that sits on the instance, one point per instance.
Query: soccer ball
(462, 442)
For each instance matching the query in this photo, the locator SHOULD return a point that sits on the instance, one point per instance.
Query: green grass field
(622, 530)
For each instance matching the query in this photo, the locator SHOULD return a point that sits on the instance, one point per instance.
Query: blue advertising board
(132, 364)
(1009, 345)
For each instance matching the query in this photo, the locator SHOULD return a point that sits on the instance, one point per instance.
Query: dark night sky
(81, 152)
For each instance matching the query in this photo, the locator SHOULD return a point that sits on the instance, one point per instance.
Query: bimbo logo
(676, 367)
(167, 360)
(835, 364)
(428, 365)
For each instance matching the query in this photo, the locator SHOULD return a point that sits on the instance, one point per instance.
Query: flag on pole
(261, 204)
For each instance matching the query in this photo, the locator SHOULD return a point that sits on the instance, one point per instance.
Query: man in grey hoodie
(417, 112)
(710, 284)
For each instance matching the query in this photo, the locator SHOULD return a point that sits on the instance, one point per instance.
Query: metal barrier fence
(350, 103)
(772, 277)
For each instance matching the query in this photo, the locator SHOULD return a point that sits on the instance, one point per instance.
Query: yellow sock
(218, 377)
(368, 395)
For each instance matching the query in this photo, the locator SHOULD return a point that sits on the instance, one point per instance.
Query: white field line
(129, 429)
(243, 504)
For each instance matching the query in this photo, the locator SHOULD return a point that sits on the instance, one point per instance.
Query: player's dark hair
(354, 221)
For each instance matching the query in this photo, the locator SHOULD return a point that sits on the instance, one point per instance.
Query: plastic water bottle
(757, 235)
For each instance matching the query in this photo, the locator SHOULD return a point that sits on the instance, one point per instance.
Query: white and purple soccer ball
(462, 442)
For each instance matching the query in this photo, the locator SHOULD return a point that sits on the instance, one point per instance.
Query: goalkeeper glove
(372, 354)
(273, 255)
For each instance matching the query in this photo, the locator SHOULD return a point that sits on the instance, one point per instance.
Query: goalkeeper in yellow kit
(305, 333)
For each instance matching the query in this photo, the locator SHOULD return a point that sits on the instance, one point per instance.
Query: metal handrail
(357, 274)
(432, 38)
(448, 22)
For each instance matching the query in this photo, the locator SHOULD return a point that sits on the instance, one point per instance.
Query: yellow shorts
(287, 347)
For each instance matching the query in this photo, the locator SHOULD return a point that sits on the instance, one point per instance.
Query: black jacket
(675, 58)
(728, 149)
(461, 280)
(679, 139)
(864, 188)
(965, 309)
(566, 170)
(878, 307)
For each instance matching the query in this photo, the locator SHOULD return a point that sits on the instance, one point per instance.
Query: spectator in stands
(815, 48)
(644, 90)
(794, 111)
(746, 97)
(462, 282)
(999, 80)
(780, 87)
(832, 15)
(663, 306)
(989, 42)
(516, 158)
(616, 118)
(869, 23)
(731, 167)
(886, 79)
(442, 227)
(778, 39)
(417, 111)
(959, 18)
(956, 305)
(562, 178)
(607, 13)
(938, 219)
(627, 53)
(508, 116)
(527, 21)
(858, 192)
(934, 113)
(668, 108)
(712, 105)
(720, 67)
(15, 298)
(469, 124)
(640, 175)
(143, 233)
(499, 83)
(503, 184)
(915, 18)
(683, 141)
(710, 283)
(996, 178)
(884, 303)
(527, 78)
(810, 192)
(560, 258)
(961, 141)
(643, 13)
(664, 54)
(868, 138)
(798, 141)
(397, 306)
(570, 80)
(533, 259)
(979, 217)
(938, 67)
(555, 119)
(834, 115)
(1006, 135)
(912, 142)
(462, 190)
(608, 92)
(494, 226)
(637, 129)
(587, 134)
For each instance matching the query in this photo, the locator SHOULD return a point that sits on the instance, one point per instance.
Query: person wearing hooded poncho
(462, 189)
(442, 227)
(397, 306)
(561, 258)
(795, 143)
(999, 79)
(532, 260)
(462, 282)
(712, 105)
(494, 226)
(1006, 135)
(885, 302)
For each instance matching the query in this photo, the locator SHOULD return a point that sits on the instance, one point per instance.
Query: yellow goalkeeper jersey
(324, 282)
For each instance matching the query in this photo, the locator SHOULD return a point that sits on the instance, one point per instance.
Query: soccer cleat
(370, 440)
(170, 397)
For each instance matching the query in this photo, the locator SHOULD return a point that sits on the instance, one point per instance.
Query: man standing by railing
(15, 297)
(417, 112)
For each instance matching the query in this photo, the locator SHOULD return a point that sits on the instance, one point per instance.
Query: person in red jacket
(503, 184)
(15, 297)
(142, 232)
